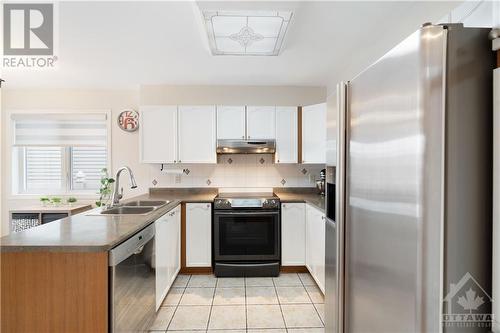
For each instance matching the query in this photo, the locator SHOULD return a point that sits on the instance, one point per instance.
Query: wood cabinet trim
(54, 292)
(299, 134)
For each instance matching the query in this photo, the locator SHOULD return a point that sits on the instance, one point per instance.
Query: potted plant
(45, 201)
(106, 188)
(71, 201)
(56, 201)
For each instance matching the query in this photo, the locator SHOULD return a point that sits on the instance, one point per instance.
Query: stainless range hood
(246, 146)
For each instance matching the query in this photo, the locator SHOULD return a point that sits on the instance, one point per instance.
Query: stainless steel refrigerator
(410, 176)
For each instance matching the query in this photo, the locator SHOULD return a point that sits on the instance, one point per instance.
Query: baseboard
(196, 270)
(293, 269)
(209, 270)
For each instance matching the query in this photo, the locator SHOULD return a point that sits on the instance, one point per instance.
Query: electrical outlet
(178, 179)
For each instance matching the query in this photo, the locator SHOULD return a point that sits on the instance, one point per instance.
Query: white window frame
(13, 171)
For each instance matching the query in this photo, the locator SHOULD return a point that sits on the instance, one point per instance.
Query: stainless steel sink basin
(146, 203)
(123, 210)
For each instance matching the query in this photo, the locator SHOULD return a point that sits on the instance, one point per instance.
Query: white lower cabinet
(198, 235)
(315, 245)
(293, 234)
(167, 252)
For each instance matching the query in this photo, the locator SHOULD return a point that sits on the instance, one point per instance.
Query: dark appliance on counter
(247, 234)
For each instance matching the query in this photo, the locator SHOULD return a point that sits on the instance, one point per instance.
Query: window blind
(44, 170)
(86, 166)
(60, 130)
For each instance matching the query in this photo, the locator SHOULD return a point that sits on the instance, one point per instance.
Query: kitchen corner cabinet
(293, 234)
(231, 122)
(314, 134)
(261, 122)
(158, 134)
(286, 135)
(168, 252)
(197, 134)
(315, 245)
(198, 235)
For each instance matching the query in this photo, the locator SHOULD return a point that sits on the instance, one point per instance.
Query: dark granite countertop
(89, 232)
(307, 195)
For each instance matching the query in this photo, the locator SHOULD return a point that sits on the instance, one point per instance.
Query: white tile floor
(290, 303)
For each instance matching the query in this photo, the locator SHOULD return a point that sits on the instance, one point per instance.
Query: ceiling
(122, 45)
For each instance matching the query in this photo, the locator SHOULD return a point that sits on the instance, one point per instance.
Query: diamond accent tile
(304, 171)
(261, 161)
(187, 171)
(230, 160)
(209, 182)
(155, 182)
(283, 182)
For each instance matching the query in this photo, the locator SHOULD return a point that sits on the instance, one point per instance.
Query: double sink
(138, 207)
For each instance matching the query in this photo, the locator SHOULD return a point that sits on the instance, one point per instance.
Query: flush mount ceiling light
(246, 32)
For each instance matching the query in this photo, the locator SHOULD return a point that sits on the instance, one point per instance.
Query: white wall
(478, 14)
(245, 171)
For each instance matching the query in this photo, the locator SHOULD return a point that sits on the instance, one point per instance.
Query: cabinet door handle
(284, 205)
(180, 161)
(208, 206)
(242, 136)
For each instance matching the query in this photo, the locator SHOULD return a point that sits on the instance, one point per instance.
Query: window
(61, 169)
(59, 153)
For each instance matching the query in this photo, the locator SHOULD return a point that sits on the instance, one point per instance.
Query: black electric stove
(247, 234)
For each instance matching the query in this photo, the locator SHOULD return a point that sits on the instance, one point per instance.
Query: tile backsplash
(236, 171)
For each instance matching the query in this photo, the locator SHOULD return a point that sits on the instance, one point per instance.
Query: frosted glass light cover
(246, 32)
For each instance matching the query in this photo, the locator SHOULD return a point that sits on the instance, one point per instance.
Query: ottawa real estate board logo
(467, 305)
(28, 35)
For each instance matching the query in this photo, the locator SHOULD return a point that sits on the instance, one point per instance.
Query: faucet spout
(115, 199)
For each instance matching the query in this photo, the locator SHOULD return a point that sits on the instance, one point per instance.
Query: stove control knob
(270, 203)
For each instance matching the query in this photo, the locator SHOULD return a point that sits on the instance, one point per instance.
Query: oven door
(246, 235)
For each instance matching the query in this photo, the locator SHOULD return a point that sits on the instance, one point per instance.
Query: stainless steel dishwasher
(132, 283)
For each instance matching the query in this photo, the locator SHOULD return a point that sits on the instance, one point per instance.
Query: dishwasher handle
(131, 246)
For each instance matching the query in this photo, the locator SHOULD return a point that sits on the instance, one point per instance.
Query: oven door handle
(246, 213)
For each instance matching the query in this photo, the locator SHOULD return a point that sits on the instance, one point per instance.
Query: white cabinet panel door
(231, 122)
(286, 134)
(167, 252)
(315, 245)
(161, 258)
(158, 134)
(314, 134)
(260, 122)
(293, 234)
(197, 134)
(198, 235)
(174, 240)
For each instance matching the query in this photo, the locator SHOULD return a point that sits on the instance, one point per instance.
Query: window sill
(28, 196)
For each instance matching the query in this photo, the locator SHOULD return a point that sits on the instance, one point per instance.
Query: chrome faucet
(115, 199)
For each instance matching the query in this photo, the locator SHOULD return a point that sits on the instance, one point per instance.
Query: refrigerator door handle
(342, 91)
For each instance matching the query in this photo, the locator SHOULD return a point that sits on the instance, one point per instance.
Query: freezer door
(331, 278)
(385, 161)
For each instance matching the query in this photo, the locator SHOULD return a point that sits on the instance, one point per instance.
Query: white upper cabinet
(158, 134)
(286, 134)
(231, 122)
(314, 134)
(197, 134)
(261, 122)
